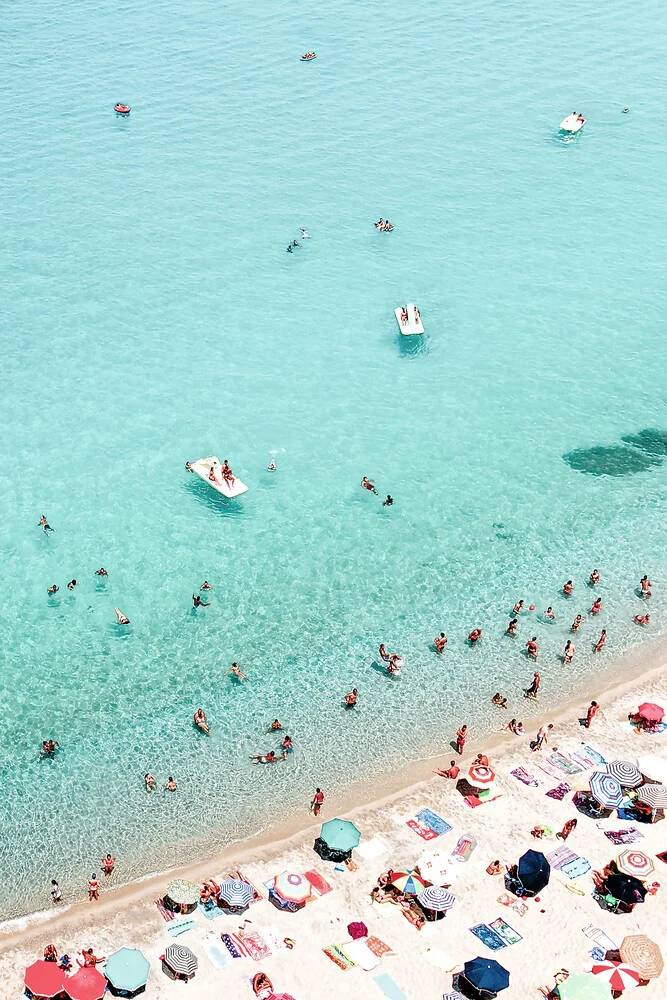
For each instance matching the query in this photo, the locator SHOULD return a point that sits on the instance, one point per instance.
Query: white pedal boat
(202, 468)
(412, 324)
(572, 123)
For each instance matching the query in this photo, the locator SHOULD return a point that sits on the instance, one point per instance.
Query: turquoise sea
(151, 315)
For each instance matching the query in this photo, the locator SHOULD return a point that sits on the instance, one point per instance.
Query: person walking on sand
(601, 641)
(531, 692)
(93, 888)
(461, 736)
(542, 736)
(317, 802)
(590, 713)
(567, 830)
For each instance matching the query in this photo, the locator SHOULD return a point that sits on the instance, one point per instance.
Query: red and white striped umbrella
(480, 776)
(635, 863)
(619, 976)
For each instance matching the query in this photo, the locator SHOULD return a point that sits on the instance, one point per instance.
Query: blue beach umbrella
(435, 898)
(127, 970)
(233, 892)
(606, 790)
(340, 835)
(534, 871)
(486, 974)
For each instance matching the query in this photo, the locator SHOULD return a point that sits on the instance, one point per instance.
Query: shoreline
(633, 669)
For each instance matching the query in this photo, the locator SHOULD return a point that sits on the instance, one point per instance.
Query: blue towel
(488, 936)
(210, 910)
(573, 869)
(389, 987)
(180, 927)
(435, 822)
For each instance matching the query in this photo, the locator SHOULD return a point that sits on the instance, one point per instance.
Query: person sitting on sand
(150, 782)
(511, 726)
(122, 619)
(171, 785)
(236, 670)
(495, 868)
(512, 627)
(452, 771)
(567, 830)
(499, 700)
(200, 720)
(351, 698)
(520, 731)
(50, 953)
(475, 636)
(89, 959)
(440, 642)
(481, 760)
(65, 963)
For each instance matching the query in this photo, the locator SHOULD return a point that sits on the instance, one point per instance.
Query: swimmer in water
(549, 613)
(440, 642)
(511, 628)
(268, 758)
(44, 524)
(393, 664)
(305, 235)
(499, 700)
(171, 785)
(368, 485)
(71, 585)
(518, 607)
(289, 249)
(388, 502)
(122, 619)
(532, 647)
(568, 588)
(645, 586)
(351, 698)
(594, 578)
(287, 746)
(198, 603)
(295, 244)
(271, 467)
(236, 670)
(569, 651)
(642, 619)
(577, 622)
(383, 652)
(206, 586)
(475, 636)
(596, 607)
(531, 692)
(625, 110)
(108, 864)
(49, 748)
(150, 782)
(275, 726)
(201, 721)
(601, 641)
(53, 590)
(101, 571)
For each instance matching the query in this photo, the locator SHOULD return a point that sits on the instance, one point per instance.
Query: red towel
(318, 882)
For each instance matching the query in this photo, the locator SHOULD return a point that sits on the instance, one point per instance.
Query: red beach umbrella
(44, 979)
(651, 712)
(86, 984)
(619, 976)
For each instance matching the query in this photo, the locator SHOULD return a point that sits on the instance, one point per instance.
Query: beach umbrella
(408, 882)
(534, 871)
(183, 892)
(653, 795)
(340, 835)
(642, 954)
(87, 983)
(584, 986)
(626, 773)
(606, 790)
(635, 863)
(292, 888)
(627, 888)
(654, 768)
(436, 899)
(235, 893)
(180, 960)
(486, 974)
(481, 776)
(127, 969)
(619, 976)
(651, 712)
(436, 867)
(44, 979)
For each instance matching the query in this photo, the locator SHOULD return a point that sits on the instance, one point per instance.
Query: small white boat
(410, 322)
(572, 123)
(202, 468)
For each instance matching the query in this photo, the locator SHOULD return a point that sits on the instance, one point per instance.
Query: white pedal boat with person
(408, 319)
(210, 471)
(573, 122)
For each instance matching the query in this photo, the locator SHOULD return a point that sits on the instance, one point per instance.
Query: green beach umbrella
(340, 835)
(584, 986)
(127, 969)
(183, 891)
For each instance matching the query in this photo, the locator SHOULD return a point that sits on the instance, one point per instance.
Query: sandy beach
(420, 962)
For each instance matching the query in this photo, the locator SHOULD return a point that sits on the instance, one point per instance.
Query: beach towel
(435, 822)
(421, 829)
(163, 911)
(464, 848)
(233, 945)
(504, 931)
(370, 849)
(522, 775)
(573, 869)
(389, 987)
(361, 955)
(254, 945)
(624, 836)
(561, 856)
(559, 792)
(488, 936)
(384, 909)
(591, 756)
(210, 910)
(339, 957)
(218, 956)
(598, 936)
(378, 947)
(472, 801)
(563, 761)
(274, 938)
(181, 926)
(318, 882)
(489, 795)
(440, 959)
(550, 768)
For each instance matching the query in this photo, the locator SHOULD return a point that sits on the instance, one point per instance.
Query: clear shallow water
(151, 315)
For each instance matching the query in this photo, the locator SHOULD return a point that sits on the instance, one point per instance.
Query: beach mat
(378, 947)
(573, 869)
(390, 989)
(624, 836)
(559, 792)
(488, 936)
(361, 955)
(464, 848)
(521, 774)
(440, 959)
(218, 956)
(318, 882)
(517, 905)
(181, 927)
(339, 957)
(210, 910)
(163, 911)
(370, 849)
(504, 931)
(561, 856)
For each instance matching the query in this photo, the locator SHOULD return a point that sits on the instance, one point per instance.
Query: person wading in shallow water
(317, 802)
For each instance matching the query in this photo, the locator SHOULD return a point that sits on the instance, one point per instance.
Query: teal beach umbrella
(340, 835)
(127, 970)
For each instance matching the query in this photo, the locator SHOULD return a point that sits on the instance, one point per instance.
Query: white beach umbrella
(437, 868)
(654, 768)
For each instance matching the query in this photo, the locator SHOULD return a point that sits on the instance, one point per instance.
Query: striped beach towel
(339, 957)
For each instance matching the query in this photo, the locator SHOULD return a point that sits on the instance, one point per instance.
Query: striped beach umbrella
(480, 776)
(653, 767)
(181, 960)
(653, 795)
(233, 892)
(436, 899)
(642, 954)
(627, 774)
(606, 790)
(183, 892)
(635, 863)
(292, 888)
(619, 976)
(408, 883)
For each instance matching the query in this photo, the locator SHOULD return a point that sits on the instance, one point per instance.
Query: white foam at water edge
(39, 917)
